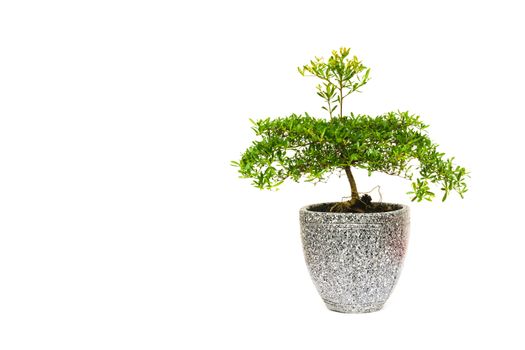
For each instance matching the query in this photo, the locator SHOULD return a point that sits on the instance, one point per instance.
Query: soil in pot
(362, 205)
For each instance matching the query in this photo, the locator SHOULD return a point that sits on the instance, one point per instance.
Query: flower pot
(354, 259)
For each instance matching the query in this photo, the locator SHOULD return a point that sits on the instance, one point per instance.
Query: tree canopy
(301, 147)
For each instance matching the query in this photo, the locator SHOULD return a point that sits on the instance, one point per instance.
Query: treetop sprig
(340, 74)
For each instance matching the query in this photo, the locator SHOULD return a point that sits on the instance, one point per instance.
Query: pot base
(352, 309)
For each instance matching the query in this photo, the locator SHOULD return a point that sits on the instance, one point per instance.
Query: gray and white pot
(354, 259)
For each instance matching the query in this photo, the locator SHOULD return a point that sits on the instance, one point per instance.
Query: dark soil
(363, 205)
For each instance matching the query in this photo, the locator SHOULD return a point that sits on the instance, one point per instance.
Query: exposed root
(355, 205)
(342, 207)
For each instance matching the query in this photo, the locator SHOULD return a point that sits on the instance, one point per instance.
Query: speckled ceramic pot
(354, 259)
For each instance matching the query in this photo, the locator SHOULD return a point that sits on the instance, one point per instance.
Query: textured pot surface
(354, 259)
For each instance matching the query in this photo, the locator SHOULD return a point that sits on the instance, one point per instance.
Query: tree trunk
(353, 186)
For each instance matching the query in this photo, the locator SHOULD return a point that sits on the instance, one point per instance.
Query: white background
(123, 226)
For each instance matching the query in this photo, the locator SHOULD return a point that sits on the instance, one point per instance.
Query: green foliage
(301, 147)
(340, 76)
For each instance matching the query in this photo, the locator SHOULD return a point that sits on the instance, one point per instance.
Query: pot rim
(404, 208)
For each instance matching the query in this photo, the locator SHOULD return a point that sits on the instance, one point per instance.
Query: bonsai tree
(301, 147)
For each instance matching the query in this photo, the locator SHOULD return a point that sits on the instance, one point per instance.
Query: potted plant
(354, 249)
